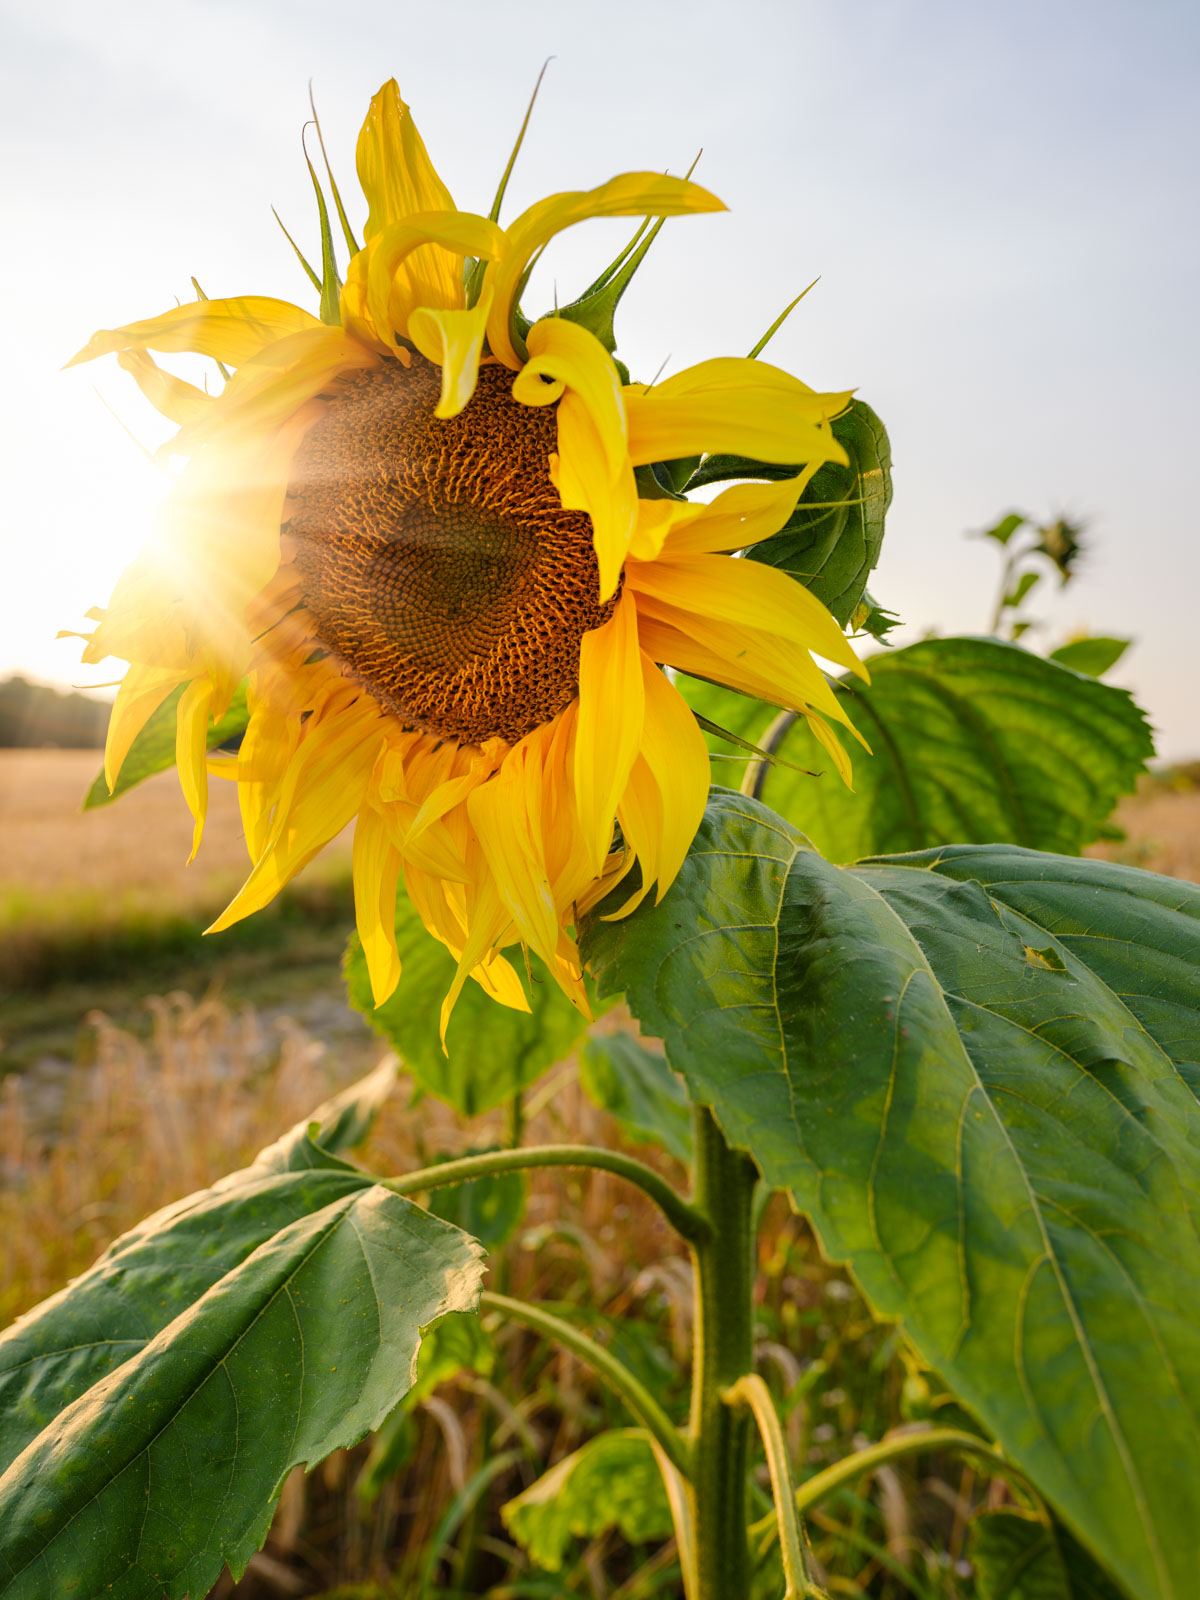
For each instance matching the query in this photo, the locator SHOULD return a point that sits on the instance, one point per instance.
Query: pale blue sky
(1000, 201)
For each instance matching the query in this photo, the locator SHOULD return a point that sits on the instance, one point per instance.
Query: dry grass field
(125, 857)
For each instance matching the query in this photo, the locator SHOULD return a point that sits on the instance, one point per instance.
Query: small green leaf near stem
(618, 1377)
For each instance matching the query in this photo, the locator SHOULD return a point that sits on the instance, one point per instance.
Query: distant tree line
(32, 714)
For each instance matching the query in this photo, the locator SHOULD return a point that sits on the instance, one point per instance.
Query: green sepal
(596, 307)
(654, 483)
(331, 283)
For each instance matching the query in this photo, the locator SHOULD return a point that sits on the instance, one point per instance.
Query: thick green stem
(618, 1377)
(724, 1351)
(686, 1219)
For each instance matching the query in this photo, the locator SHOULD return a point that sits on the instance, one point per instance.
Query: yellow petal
(394, 168)
(178, 401)
(506, 816)
(398, 180)
(268, 390)
(142, 691)
(569, 365)
(191, 752)
(322, 790)
(739, 517)
(231, 331)
(760, 664)
(748, 594)
(729, 404)
(609, 725)
(398, 280)
(675, 752)
(453, 341)
(641, 817)
(634, 194)
(376, 876)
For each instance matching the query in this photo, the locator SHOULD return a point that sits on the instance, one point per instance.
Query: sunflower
(413, 526)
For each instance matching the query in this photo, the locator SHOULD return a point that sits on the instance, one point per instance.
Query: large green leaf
(972, 740)
(153, 1273)
(977, 1071)
(170, 1467)
(1019, 1557)
(612, 1482)
(833, 538)
(494, 1052)
(154, 748)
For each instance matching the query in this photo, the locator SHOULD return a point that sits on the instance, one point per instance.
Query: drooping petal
(593, 473)
(230, 331)
(452, 340)
(143, 689)
(191, 751)
(399, 180)
(268, 390)
(178, 401)
(674, 750)
(506, 816)
(747, 594)
(730, 404)
(609, 725)
(376, 876)
(707, 653)
(634, 194)
(322, 790)
(641, 817)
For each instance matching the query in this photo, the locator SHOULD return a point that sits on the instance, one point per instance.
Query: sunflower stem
(724, 1261)
(687, 1220)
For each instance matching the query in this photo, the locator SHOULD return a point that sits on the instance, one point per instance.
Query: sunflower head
(413, 526)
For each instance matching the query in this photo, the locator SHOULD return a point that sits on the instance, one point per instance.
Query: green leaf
(170, 1467)
(973, 740)
(1023, 585)
(636, 1086)
(494, 1052)
(1006, 1152)
(158, 1269)
(154, 748)
(1003, 530)
(1018, 1557)
(489, 1209)
(1093, 656)
(833, 538)
(612, 1482)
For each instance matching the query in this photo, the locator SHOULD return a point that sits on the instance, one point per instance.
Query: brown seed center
(436, 558)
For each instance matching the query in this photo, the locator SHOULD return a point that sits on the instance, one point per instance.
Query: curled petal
(452, 340)
(634, 194)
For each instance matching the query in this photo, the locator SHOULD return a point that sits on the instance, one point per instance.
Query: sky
(1000, 203)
